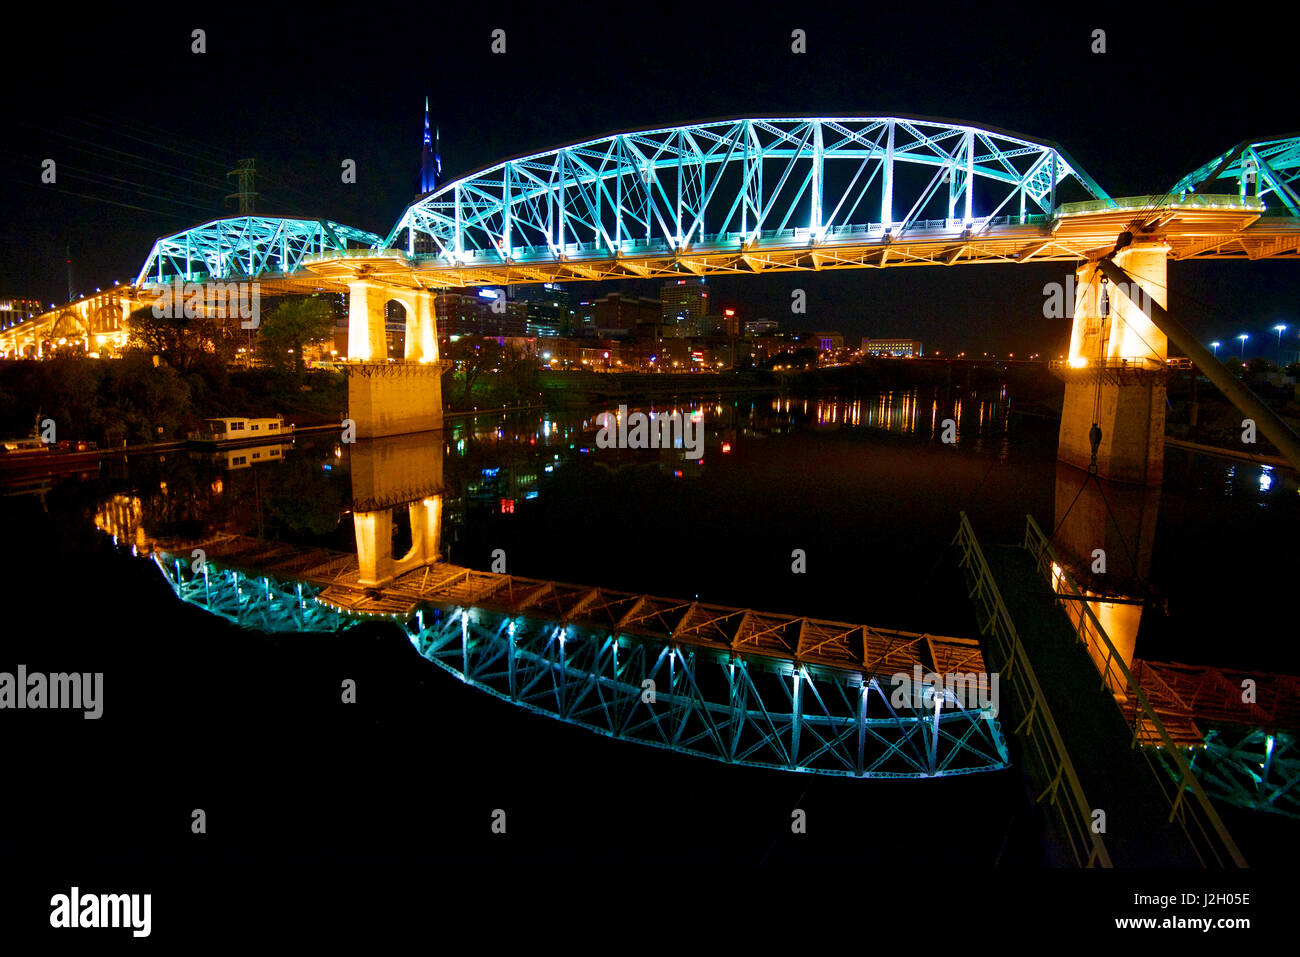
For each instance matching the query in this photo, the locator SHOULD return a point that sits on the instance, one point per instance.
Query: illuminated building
(892, 347)
(13, 311)
(826, 341)
(431, 157)
(616, 311)
(484, 313)
(684, 304)
(546, 306)
(584, 318)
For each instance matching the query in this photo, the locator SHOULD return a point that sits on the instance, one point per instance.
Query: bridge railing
(1142, 364)
(1189, 806)
(1198, 200)
(1050, 766)
(659, 245)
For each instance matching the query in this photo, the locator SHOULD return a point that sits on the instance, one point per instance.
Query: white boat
(241, 428)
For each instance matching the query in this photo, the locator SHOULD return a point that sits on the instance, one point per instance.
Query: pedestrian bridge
(1149, 741)
(732, 684)
(732, 196)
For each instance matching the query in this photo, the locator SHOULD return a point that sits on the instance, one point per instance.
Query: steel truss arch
(256, 601)
(1268, 169)
(1253, 768)
(246, 247)
(738, 709)
(743, 181)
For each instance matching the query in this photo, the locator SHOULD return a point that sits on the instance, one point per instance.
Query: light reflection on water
(904, 412)
(841, 475)
(533, 449)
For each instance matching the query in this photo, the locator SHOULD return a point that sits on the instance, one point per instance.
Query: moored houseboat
(240, 429)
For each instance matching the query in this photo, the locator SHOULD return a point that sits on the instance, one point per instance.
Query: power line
(98, 199)
(98, 178)
(90, 148)
(157, 139)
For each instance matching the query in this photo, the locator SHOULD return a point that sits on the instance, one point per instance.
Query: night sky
(144, 130)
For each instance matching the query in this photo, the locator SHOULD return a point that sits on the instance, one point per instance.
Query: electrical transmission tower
(244, 191)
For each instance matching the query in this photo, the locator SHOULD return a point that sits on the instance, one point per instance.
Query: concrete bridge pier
(1115, 373)
(392, 397)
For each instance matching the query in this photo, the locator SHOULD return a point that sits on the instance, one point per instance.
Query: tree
(471, 357)
(183, 342)
(291, 324)
(796, 358)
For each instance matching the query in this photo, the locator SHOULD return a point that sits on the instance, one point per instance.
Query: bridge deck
(810, 641)
(730, 684)
(1208, 696)
(1115, 776)
(1187, 698)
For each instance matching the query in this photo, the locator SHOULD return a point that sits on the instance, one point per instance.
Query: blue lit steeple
(430, 159)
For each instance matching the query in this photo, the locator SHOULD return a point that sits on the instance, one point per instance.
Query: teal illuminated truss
(1268, 169)
(741, 708)
(247, 247)
(740, 182)
(260, 602)
(1251, 768)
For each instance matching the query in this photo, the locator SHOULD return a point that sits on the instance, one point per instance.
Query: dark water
(297, 785)
(863, 487)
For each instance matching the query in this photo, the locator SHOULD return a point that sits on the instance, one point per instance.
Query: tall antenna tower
(244, 191)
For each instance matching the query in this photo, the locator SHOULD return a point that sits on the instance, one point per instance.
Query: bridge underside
(741, 709)
(731, 684)
(1197, 228)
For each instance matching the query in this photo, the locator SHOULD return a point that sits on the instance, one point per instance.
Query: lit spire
(430, 165)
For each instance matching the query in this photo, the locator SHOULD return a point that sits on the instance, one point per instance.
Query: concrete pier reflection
(1104, 533)
(394, 478)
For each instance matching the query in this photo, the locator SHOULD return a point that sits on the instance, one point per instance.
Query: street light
(1279, 329)
(1215, 346)
(1243, 337)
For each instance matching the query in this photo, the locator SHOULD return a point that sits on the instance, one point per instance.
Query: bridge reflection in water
(795, 693)
(1203, 731)
(1238, 725)
(733, 684)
